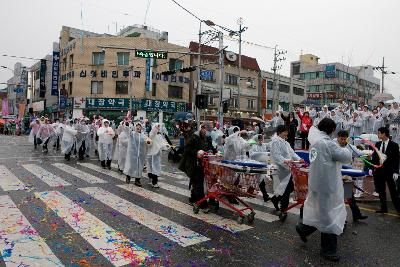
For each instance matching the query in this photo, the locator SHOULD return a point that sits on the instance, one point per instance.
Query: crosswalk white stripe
(80, 174)
(255, 200)
(20, 244)
(173, 175)
(224, 223)
(46, 176)
(175, 232)
(259, 214)
(8, 181)
(111, 244)
(219, 221)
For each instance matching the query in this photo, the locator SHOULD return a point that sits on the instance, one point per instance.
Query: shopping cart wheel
(196, 209)
(240, 220)
(250, 217)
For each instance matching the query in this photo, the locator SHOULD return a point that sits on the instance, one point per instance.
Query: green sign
(107, 103)
(151, 54)
(160, 105)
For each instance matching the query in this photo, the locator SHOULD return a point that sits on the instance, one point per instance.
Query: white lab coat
(324, 207)
(68, 139)
(135, 155)
(121, 147)
(281, 151)
(105, 144)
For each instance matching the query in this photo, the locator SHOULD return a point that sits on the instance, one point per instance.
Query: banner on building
(330, 71)
(55, 72)
(42, 78)
(149, 74)
(21, 111)
(4, 107)
(63, 101)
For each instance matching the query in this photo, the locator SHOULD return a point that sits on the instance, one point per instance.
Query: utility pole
(198, 78)
(384, 72)
(221, 78)
(241, 29)
(130, 89)
(277, 59)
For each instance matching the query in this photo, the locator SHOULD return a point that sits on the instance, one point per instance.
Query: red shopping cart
(229, 180)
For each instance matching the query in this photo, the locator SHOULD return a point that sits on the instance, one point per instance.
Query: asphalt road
(58, 213)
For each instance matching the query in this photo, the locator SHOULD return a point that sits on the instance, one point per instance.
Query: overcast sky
(354, 32)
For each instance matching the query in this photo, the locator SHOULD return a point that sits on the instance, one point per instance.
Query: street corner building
(106, 75)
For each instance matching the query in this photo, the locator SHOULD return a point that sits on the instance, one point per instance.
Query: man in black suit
(388, 172)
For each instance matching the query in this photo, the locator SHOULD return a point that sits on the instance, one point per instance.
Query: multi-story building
(145, 32)
(327, 83)
(17, 89)
(248, 83)
(100, 74)
(292, 91)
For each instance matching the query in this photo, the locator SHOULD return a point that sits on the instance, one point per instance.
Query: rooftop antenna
(147, 11)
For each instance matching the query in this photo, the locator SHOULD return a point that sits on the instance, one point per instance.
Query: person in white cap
(105, 144)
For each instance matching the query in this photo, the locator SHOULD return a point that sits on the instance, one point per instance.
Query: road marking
(259, 214)
(87, 177)
(175, 232)
(8, 181)
(174, 175)
(256, 201)
(47, 177)
(223, 223)
(373, 211)
(20, 244)
(112, 244)
(104, 171)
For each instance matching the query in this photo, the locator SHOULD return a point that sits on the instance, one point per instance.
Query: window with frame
(298, 91)
(211, 101)
(296, 69)
(270, 85)
(98, 58)
(96, 87)
(252, 83)
(123, 58)
(71, 61)
(154, 89)
(70, 88)
(175, 64)
(231, 79)
(234, 102)
(250, 103)
(121, 88)
(284, 88)
(174, 91)
(64, 64)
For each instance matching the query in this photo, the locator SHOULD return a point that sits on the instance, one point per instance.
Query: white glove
(395, 176)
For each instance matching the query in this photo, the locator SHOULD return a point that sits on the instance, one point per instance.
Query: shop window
(174, 91)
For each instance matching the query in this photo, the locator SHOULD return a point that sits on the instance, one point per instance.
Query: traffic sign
(151, 54)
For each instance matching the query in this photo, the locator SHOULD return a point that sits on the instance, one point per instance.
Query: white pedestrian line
(256, 201)
(112, 244)
(175, 232)
(20, 244)
(47, 177)
(259, 214)
(8, 181)
(174, 175)
(97, 168)
(87, 177)
(224, 223)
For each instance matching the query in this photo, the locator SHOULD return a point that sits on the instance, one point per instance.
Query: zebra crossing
(22, 245)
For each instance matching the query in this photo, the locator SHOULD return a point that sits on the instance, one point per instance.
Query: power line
(187, 11)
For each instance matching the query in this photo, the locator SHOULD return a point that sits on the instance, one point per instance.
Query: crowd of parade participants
(332, 137)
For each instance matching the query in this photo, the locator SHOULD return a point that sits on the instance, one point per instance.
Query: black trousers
(291, 141)
(81, 151)
(328, 241)
(355, 210)
(197, 188)
(380, 181)
(263, 190)
(57, 143)
(284, 199)
(304, 140)
(45, 143)
(35, 141)
(153, 177)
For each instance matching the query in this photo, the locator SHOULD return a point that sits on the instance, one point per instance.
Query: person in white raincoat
(45, 133)
(88, 138)
(356, 127)
(57, 126)
(324, 207)
(136, 154)
(154, 153)
(260, 152)
(235, 145)
(105, 144)
(122, 146)
(80, 144)
(281, 155)
(68, 139)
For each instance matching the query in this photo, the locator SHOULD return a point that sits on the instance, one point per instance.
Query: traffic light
(201, 101)
(168, 72)
(225, 106)
(188, 69)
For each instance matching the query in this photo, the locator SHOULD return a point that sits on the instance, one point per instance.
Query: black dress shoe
(302, 236)
(330, 257)
(381, 211)
(138, 183)
(128, 179)
(360, 217)
(275, 201)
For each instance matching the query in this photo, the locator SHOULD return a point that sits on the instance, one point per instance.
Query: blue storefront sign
(330, 71)
(160, 105)
(63, 102)
(207, 75)
(55, 73)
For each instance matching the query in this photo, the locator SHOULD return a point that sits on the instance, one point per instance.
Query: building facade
(248, 83)
(145, 32)
(100, 74)
(327, 83)
(292, 92)
(17, 87)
